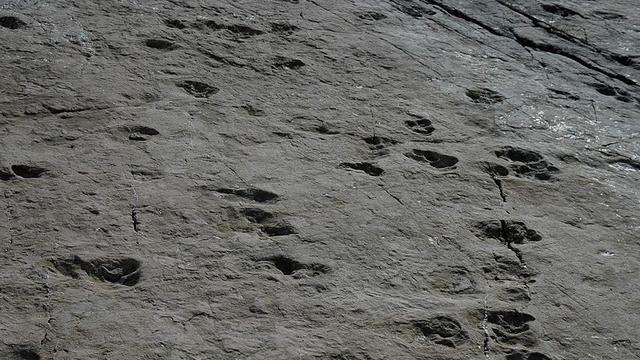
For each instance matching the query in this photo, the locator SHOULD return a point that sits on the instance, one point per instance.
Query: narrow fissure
(517, 252)
(459, 14)
(499, 184)
(504, 233)
(552, 49)
(528, 43)
(134, 218)
(566, 36)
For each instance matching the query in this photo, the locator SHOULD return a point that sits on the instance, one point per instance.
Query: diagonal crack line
(528, 43)
(498, 183)
(622, 60)
(553, 49)
(411, 55)
(459, 14)
(329, 11)
(134, 211)
(394, 196)
(549, 28)
(134, 220)
(462, 34)
(504, 233)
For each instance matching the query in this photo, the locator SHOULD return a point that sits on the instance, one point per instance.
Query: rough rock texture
(305, 179)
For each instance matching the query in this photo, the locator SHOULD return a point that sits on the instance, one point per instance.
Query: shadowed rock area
(303, 179)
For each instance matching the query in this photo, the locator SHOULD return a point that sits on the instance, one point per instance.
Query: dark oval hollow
(27, 354)
(27, 171)
(521, 169)
(243, 30)
(484, 95)
(11, 22)
(161, 44)
(423, 122)
(416, 11)
(604, 89)
(368, 168)
(279, 230)
(542, 176)
(6, 175)
(124, 271)
(512, 320)
(379, 140)
(443, 326)
(490, 229)
(137, 137)
(285, 63)
(283, 28)
(525, 355)
(198, 89)
(425, 131)
(318, 268)
(410, 123)
(175, 23)
(257, 215)
(519, 154)
(285, 264)
(434, 159)
(254, 194)
(253, 111)
(65, 267)
(144, 130)
(421, 126)
(211, 24)
(558, 10)
(324, 129)
(495, 169)
(373, 140)
(517, 232)
(540, 165)
(440, 160)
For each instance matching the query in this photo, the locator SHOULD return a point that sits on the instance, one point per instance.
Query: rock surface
(303, 179)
